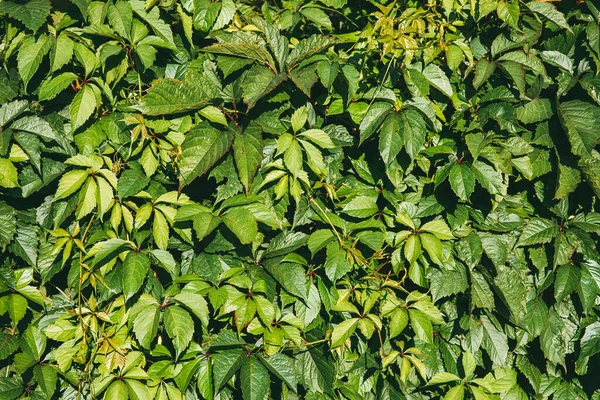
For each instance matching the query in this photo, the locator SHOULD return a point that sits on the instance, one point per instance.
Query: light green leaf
(439, 228)
(213, 114)
(455, 393)
(242, 223)
(70, 183)
(117, 390)
(146, 321)
(442, 377)
(83, 106)
(318, 137)
(8, 174)
(343, 331)
(160, 230)
(361, 207)
(30, 56)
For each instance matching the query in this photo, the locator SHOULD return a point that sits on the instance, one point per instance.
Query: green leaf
(462, 181)
(8, 224)
(290, 276)
(160, 230)
(282, 367)
(242, 49)
(32, 13)
(495, 342)
(316, 15)
(343, 331)
(374, 117)
(536, 110)
(566, 282)
(421, 325)
(30, 56)
(117, 390)
(242, 223)
(336, 265)
(202, 148)
(590, 341)
(433, 247)
(62, 52)
(195, 303)
(438, 79)
(483, 71)
(509, 13)
(152, 18)
(318, 137)
(391, 138)
(146, 320)
(170, 96)
(568, 180)
(83, 106)
(579, 119)
(413, 130)
(547, 10)
(46, 378)
(285, 243)
(292, 158)
(120, 17)
(254, 379)
(327, 72)
(537, 231)
(51, 88)
(135, 269)
(179, 326)
(226, 363)
(131, 181)
(213, 114)
(361, 207)
(105, 251)
(11, 387)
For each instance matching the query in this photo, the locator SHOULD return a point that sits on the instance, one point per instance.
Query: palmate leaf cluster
(299, 199)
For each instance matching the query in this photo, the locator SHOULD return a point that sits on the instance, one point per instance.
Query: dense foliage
(299, 199)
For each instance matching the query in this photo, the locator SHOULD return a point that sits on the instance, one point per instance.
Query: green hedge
(296, 199)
